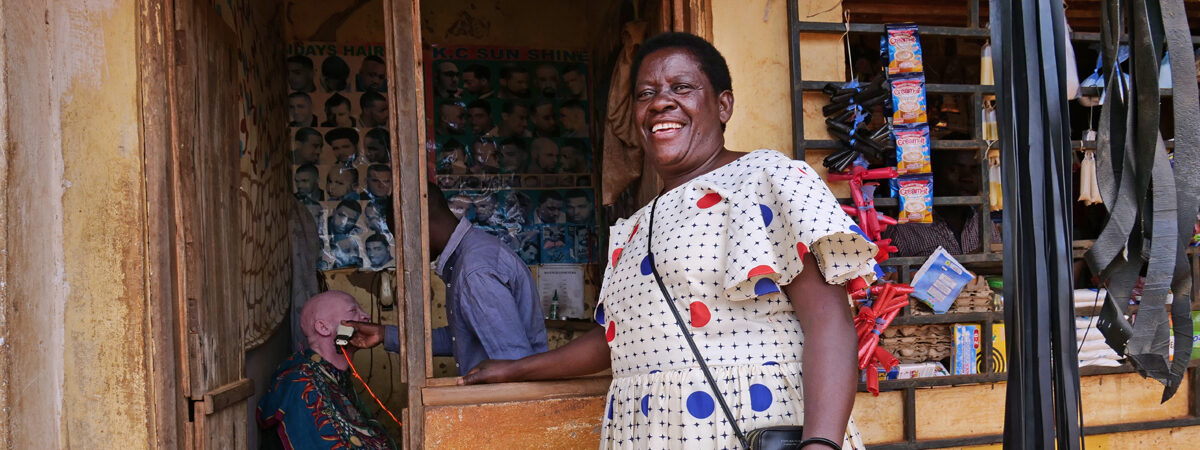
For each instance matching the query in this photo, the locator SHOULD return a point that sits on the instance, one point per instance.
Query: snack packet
(908, 100)
(912, 150)
(903, 49)
(916, 199)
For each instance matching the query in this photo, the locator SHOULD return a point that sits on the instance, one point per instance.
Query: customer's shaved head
(319, 317)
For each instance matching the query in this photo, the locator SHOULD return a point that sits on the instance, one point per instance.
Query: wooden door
(203, 91)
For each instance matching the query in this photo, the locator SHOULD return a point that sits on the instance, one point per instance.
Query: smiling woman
(752, 249)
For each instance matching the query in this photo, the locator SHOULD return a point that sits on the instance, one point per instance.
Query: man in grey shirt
(492, 303)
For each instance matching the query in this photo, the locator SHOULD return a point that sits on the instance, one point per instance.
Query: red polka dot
(700, 314)
(635, 227)
(611, 332)
(615, 256)
(801, 169)
(760, 270)
(708, 200)
(801, 249)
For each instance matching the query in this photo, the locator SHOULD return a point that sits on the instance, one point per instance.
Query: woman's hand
(490, 371)
(583, 356)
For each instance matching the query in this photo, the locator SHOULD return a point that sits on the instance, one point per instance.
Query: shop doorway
(209, 375)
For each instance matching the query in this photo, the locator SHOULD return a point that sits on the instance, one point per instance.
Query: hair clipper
(343, 335)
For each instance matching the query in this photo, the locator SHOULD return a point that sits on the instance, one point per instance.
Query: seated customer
(311, 403)
(956, 228)
(491, 300)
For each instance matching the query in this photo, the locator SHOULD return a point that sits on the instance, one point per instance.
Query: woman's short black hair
(711, 62)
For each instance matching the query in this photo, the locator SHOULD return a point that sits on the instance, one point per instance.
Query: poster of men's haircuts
(510, 146)
(340, 155)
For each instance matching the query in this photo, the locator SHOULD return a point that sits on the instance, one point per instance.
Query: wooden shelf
(969, 200)
(932, 88)
(957, 380)
(937, 144)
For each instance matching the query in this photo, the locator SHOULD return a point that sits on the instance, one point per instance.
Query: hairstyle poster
(340, 154)
(510, 145)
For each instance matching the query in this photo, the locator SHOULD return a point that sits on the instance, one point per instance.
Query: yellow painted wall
(753, 36)
(77, 316)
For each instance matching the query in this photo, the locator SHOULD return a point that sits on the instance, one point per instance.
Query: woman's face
(678, 112)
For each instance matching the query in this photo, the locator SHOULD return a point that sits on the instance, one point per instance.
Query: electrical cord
(369, 391)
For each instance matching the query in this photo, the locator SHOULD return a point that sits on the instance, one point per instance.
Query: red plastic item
(889, 299)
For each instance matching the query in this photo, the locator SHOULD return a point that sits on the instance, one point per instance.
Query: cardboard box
(999, 351)
(966, 349)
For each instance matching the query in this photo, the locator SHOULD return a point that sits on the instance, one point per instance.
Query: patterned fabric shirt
(312, 405)
(921, 239)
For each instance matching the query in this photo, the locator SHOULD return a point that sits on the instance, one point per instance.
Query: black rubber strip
(1186, 110)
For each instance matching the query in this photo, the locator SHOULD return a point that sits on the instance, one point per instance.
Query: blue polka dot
(700, 405)
(770, 363)
(646, 406)
(858, 230)
(600, 313)
(646, 265)
(760, 397)
(611, 403)
(878, 272)
(765, 286)
(652, 372)
(766, 213)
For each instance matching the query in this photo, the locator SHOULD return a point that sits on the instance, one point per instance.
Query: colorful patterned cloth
(312, 405)
(724, 243)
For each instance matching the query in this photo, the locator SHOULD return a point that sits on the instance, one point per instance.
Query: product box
(999, 353)
(965, 350)
(921, 370)
(1195, 330)
(939, 281)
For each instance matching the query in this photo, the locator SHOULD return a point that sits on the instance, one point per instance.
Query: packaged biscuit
(912, 150)
(916, 198)
(908, 100)
(903, 49)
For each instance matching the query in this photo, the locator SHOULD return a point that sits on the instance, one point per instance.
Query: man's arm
(367, 335)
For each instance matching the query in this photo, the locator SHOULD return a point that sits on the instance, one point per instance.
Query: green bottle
(554, 307)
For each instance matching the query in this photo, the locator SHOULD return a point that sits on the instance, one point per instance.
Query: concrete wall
(75, 228)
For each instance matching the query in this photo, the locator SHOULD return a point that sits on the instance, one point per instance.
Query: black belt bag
(785, 437)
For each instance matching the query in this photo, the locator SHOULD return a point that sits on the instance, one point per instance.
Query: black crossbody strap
(687, 335)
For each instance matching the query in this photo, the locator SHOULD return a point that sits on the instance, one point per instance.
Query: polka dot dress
(724, 244)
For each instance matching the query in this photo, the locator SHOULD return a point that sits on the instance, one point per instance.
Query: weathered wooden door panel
(208, 236)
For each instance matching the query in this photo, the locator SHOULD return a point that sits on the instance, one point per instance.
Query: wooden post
(407, 122)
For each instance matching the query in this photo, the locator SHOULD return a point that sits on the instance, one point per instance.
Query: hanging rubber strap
(1057, 216)
(1149, 347)
(1186, 109)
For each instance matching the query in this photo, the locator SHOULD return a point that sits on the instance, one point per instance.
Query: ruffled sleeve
(618, 236)
(783, 211)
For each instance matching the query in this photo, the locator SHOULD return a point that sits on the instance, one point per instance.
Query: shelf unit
(906, 265)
